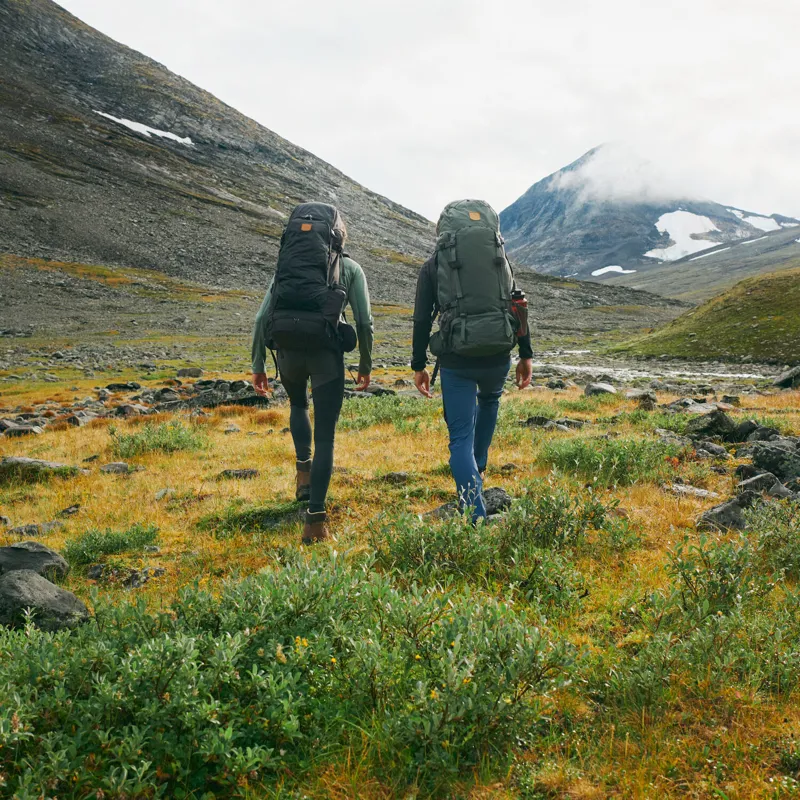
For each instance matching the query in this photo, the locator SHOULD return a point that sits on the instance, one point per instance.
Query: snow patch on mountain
(763, 223)
(706, 255)
(682, 226)
(789, 224)
(615, 268)
(760, 239)
(140, 127)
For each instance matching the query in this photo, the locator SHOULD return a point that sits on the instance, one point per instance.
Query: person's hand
(363, 381)
(260, 383)
(423, 382)
(524, 372)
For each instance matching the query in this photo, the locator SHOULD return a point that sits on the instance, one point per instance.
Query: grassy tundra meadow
(590, 644)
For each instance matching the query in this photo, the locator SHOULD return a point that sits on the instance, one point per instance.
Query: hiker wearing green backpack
(469, 285)
(302, 318)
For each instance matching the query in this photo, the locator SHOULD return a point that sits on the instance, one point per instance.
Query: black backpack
(307, 298)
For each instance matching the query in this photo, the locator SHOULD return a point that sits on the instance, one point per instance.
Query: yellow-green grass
(672, 750)
(757, 319)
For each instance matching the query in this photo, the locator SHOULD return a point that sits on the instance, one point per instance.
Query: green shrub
(550, 516)
(715, 576)
(276, 674)
(166, 437)
(93, 544)
(611, 462)
(776, 530)
(402, 412)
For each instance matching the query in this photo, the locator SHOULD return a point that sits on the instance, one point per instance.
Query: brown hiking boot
(315, 527)
(303, 490)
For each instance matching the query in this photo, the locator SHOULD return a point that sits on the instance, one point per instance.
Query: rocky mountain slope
(598, 219)
(107, 157)
(700, 277)
(757, 320)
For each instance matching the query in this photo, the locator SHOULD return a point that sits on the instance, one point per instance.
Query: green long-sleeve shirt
(355, 284)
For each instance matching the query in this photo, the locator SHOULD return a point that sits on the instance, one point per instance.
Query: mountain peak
(613, 212)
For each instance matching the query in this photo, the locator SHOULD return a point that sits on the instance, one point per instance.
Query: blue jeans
(471, 425)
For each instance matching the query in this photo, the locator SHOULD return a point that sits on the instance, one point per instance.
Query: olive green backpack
(475, 283)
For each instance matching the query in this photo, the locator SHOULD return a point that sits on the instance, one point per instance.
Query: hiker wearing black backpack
(469, 285)
(302, 318)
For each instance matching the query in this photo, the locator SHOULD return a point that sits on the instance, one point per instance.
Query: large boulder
(22, 468)
(53, 608)
(190, 372)
(715, 423)
(593, 389)
(789, 379)
(33, 556)
(780, 457)
(729, 515)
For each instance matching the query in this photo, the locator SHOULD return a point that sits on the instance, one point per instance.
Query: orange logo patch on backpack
(306, 226)
(474, 215)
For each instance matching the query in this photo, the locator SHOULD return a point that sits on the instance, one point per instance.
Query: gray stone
(232, 429)
(780, 457)
(728, 515)
(715, 423)
(397, 478)
(53, 608)
(760, 483)
(36, 528)
(117, 468)
(5, 522)
(683, 490)
(168, 492)
(22, 467)
(132, 386)
(190, 372)
(33, 556)
(593, 389)
(23, 430)
(716, 450)
(789, 379)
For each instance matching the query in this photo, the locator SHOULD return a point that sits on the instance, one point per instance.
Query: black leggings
(326, 371)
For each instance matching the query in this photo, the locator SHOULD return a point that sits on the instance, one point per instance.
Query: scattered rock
(33, 556)
(593, 389)
(232, 429)
(732, 399)
(53, 608)
(760, 483)
(36, 528)
(167, 492)
(728, 515)
(496, 499)
(789, 379)
(5, 522)
(23, 430)
(715, 450)
(70, 510)
(132, 386)
(507, 469)
(683, 490)
(781, 458)
(242, 474)
(90, 459)
(715, 423)
(35, 468)
(190, 372)
(117, 468)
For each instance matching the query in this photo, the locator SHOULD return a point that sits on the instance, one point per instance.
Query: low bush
(167, 437)
(775, 527)
(93, 544)
(515, 552)
(611, 462)
(274, 676)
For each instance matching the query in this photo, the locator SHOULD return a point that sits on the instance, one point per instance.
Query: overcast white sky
(426, 101)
